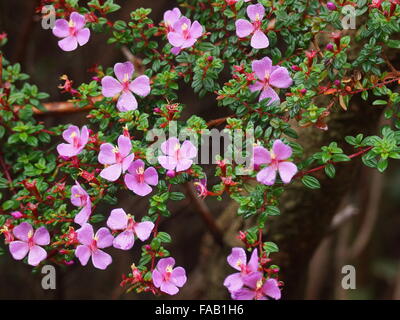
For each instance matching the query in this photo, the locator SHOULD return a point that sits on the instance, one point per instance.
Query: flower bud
(331, 6)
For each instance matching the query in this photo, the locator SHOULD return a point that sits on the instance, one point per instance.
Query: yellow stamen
(71, 24)
(259, 284)
(168, 269)
(140, 170)
(126, 77)
(115, 150)
(73, 134)
(30, 234)
(185, 27)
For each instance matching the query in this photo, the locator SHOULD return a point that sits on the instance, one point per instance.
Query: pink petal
(67, 150)
(124, 241)
(83, 216)
(137, 164)
(286, 171)
(256, 11)
(262, 68)
(183, 164)
(140, 188)
(188, 150)
(175, 39)
(281, 150)
(271, 289)
(259, 40)
(280, 78)
(244, 294)
(118, 219)
(178, 276)
(243, 28)
(127, 162)
(169, 288)
(22, 231)
(261, 156)
(112, 173)
(179, 24)
(164, 263)
(167, 162)
(101, 260)
(104, 238)
(268, 92)
(188, 43)
(19, 249)
(85, 234)
(171, 16)
(79, 196)
(233, 282)
(151, 176)
(124, 145)
(157, 278)
(41, 236)
(127, 102)
(170, 146)
(68, 44)
(267, 176)
(107, 154)
(176, 50)
(78, 20)
(196, 30)
(140, 86)
(237, 258)
(36, 255)
(84, 136)
(253, 262)
(110, 86)
(256, 86)
(83, 254)
(124, 71)
(61, 28)
(70, 132)
(83, 36)
(252, 280)
(143, 229)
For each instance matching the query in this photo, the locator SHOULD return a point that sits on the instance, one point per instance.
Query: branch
(205, 214)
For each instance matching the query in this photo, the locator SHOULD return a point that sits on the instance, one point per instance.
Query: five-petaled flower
(177, 157)
(168, 278)
(238, 260)
(269, 76)
(124, 86)
(255, 288)
(91, 244)
(170, 17)
(139, 180)
(120, 221)
(184, 34)
(117, 159)
(76, 139)
(73, 32)
(29, 242)
(245, 28)
(80, 198)
(277, 160)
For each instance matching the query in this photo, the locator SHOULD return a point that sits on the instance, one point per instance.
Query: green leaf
(164, 237)
(176, 196)
(311, 182)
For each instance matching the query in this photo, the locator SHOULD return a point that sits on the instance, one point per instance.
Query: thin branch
(205, 214)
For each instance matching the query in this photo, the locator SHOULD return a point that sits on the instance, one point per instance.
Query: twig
(205, 214)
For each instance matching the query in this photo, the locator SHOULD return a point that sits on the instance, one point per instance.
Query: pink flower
(167, 278)
(269, 76)
(91, 244)
(177, 157)
(139, 180)
(170, 17)
(238, 260)
(258, 289)
(184, 34)
(80, 198)
(17, 214)
(121, 221)
(124, 86)
(277, 161)
(29, 243)
(76, 139)
(245, 28)
(117, 159)
(73, 32)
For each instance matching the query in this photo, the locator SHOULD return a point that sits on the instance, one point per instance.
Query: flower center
(140, 174)
(75, 140)
(118, 156)
(72, 29)
(185, 31)
(168, 273)
(257, 23)
(93, 245)
(31, 243)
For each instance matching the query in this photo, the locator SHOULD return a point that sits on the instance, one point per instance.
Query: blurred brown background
(365, 231)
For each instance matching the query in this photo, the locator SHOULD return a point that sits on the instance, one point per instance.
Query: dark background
(369, 240)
